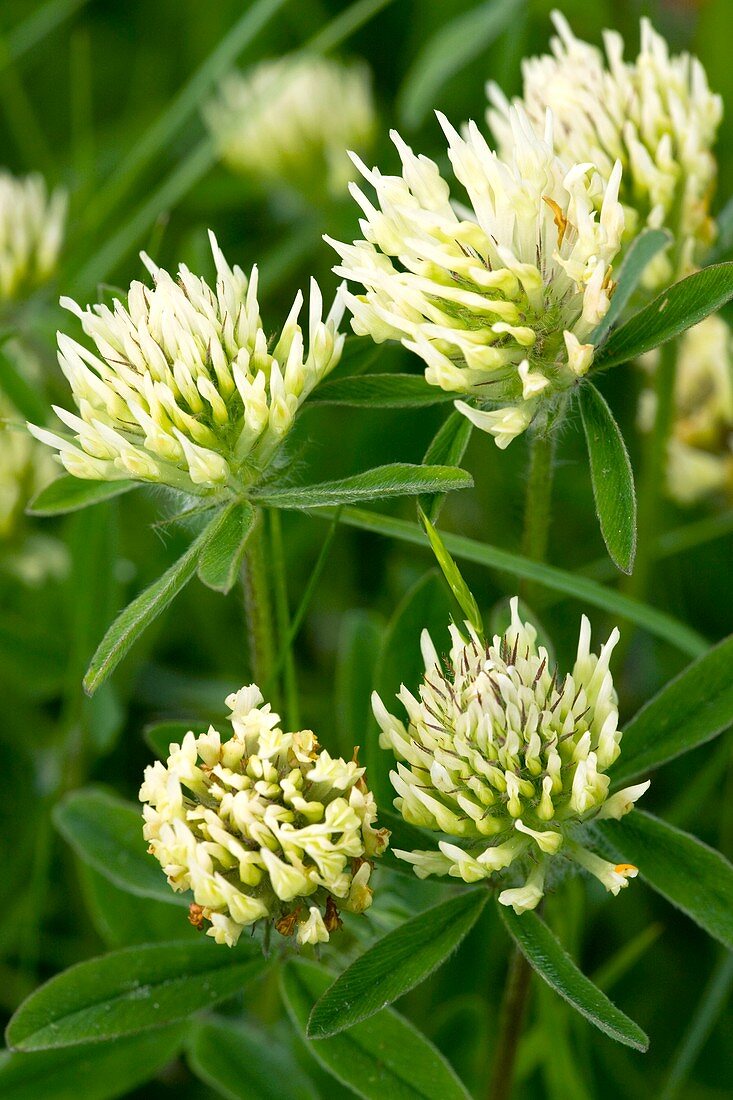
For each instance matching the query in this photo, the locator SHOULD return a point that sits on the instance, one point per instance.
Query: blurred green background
(81, 86)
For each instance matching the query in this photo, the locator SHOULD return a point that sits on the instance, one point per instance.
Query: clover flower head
(656, 115)
(508, 761)
(263, 826)
(31, 232)
(498, 298)
(700, 450)
(184, 388)
(291, 121)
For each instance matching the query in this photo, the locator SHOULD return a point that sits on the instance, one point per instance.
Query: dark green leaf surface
(138, 615)
(384, 1058)
(244, 1063)
(360, 639)
(396, 964)
(558, 580)
(550, 960)
(690, 710)
(461, 592)
(689, 874)
(401, 479)
(724, 242)
(222, 556)
(677, 308)
(107, 833)
(122, 920)
(641, 252)
(454, 46)
(69, 494)
(612, 477)
(381, 391)
(129, 991)
(161, 735)
(98, 1071)
(447, 448)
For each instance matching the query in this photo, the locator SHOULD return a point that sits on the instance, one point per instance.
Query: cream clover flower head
(499, 298)
(31, 232)
(508, 761)
(656, 115)
(291, 121)
(185, 389)
(263, 826)
(700, 450)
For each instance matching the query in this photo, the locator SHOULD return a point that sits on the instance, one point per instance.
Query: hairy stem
(538, 498)
(282, 614)
(258, 607)
(513, 1009)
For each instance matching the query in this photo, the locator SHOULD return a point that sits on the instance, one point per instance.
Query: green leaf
(221, 558)
(689, 874)
(401, 479)
(677, 308)
(381, 391)
(122, 920)
(160, 735)
(690, 710)
(25, 397)
(138, 615)
(99, 1071)
(69, 494)
(395, 964)
(446, 449)
(452, 47)
(384, 1058)
(558, 580)
(107, 833)
(451, 572)
(244, 1063)
(426, 606)
(132, 990)
(612, 477)
(641, 252)
(548, 958)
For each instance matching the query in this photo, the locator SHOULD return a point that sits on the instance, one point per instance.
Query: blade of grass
(49, 17)
(655, 622)
(712, 1002)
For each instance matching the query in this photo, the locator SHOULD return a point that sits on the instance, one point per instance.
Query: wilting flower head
(292, 120)
(498, 298)
(656, 115)
(184, 389)
(31, 230)
(508, 760)
(700, 449)
(263, 826)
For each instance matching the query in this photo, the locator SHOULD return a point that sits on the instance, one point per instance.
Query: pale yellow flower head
(700, 449)
(185, 388)
(655, 114)
(499, 297)
(291, 121)
(31, 233)
(263, 826)
(508, 760)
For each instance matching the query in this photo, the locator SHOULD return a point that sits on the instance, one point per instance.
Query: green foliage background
(76, 104)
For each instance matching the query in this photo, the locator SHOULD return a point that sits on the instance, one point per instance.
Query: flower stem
(513, 1009)
(538, 496)
(257, 606)
(282, 614)
(654, 469)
